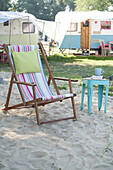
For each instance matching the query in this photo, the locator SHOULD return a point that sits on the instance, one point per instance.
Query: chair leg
(72, 100)
(37, 113)
(9, 92)
(73, 106)
(36, 106)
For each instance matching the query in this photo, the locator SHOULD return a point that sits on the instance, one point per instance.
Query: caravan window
(6, 23)
(106, 25)
(72, 27)
(86, 24)
(28, 27)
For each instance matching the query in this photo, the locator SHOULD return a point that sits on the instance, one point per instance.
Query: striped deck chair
(33, 86)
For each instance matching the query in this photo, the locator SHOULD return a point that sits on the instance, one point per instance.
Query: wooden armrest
(64, 79)
(24, 83)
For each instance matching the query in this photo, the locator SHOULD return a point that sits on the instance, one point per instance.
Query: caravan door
(85, 34)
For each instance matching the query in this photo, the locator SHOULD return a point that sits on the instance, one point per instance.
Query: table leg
(106, 97)
(100, 95)
(83, 91)
(90, 93)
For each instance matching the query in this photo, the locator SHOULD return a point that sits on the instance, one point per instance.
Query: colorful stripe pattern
(42, 89)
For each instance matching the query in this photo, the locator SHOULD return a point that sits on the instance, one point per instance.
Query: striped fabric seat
(42, 89)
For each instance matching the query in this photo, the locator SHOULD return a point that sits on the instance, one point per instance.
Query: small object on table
(96, 77)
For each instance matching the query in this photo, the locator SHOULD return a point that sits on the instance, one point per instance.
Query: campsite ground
(85, 144)
(79, 67)
(75, 67)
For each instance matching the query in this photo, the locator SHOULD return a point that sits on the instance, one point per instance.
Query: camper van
(84, 30)
(18, 28)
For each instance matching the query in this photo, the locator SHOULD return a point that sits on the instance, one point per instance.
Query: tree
(4, 5)
(71, 4)
(88, 5)
(35, 7)
(44, 9)
(13, 5)
(38, 8)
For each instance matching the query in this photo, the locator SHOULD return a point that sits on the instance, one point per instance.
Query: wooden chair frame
(37, 102)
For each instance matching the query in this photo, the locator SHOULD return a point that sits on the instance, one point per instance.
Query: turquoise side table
(90, 83)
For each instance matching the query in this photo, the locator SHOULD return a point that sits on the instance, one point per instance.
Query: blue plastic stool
(90, 83)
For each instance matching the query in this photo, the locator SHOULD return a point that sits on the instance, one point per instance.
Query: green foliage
(71, 4)
(4, 5)
(13, 6)
(111, 88)
(47, 9)
(87, 5)
(62, 87)
(109, 94)
(42, 9)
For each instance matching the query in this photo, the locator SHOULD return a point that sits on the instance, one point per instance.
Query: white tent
(46, 27)
(7, 15)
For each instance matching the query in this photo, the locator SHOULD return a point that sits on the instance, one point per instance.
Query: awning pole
(43, 31)
(29, 32)
(10, 33)
(70, 36)
(89, 36)
(55, 35)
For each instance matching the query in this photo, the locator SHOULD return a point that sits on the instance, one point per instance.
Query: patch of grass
(107, 149)
(74, 67)
(62, 87)
(78, 67)
(108, 146)
(71, 57)
(110, 94)
(5, 67)
(111, 88)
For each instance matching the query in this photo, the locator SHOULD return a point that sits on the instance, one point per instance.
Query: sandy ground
(86, 144)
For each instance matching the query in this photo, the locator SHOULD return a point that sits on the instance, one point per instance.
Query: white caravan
(83, 30)
(18, 28)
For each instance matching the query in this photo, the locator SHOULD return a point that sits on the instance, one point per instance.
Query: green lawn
(5, 67)
(76, 67)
